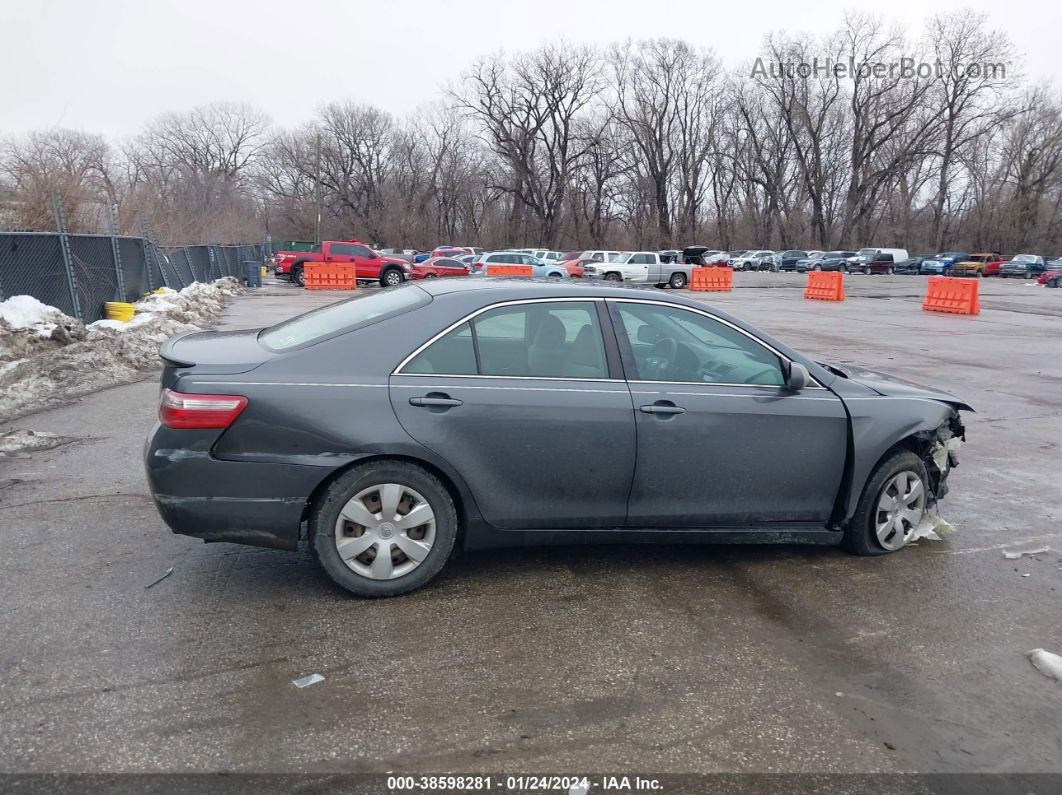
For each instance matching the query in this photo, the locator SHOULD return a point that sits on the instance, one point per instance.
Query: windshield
(1025, 258)
(361, 310)
(868, 252)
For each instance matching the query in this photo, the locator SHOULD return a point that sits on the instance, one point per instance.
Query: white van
(877, 260)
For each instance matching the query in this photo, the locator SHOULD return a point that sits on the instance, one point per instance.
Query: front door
(522, 400)
(721, 441)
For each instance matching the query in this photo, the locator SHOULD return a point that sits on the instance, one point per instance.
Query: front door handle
(445, 402)
(662, 407)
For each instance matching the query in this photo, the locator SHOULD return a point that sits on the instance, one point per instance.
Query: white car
(762, 260)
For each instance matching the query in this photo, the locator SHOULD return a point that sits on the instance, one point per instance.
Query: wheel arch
(458, 494)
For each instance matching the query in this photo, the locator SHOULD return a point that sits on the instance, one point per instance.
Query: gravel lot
(671, 659)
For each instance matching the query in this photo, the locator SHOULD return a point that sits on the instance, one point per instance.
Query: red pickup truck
(369, 265)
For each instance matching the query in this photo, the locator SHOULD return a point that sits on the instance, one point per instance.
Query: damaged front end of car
(940, 453)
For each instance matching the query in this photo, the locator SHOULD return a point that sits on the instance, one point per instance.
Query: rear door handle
(662, 408)
(435, 401)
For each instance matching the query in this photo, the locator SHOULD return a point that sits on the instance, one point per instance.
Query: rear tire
(613, 277)
(325, 516)
(860, 538)
(677, 281)
(817, 268)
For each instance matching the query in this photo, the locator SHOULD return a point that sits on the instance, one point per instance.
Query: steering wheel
(660, 357)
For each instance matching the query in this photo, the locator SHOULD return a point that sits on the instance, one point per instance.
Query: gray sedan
(393, 426)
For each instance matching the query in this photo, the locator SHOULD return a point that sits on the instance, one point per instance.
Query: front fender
(881, 422)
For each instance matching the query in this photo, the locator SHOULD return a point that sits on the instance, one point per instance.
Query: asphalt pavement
(588, 659)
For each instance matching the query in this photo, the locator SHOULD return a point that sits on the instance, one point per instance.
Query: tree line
(645, 144)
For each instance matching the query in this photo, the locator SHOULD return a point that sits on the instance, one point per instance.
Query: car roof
(515, 289)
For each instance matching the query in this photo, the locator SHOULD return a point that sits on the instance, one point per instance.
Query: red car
(368, 264)
(575, 266)
(440, 268)
(1052, 277)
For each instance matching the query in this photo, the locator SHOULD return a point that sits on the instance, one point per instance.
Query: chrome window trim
(517, 302)
(468, 318)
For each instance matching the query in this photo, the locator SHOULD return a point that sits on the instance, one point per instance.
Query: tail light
(183, 410)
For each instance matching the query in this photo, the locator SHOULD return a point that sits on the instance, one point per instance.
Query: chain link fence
(80, 273)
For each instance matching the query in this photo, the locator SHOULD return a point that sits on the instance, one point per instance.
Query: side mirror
(798, 377)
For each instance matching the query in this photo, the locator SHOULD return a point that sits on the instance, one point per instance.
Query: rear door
(721, 443)
(524, 401)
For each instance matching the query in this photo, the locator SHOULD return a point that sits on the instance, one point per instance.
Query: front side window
(674, 344)
(539, 340)
(359, 251)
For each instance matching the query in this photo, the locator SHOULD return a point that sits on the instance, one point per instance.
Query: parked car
(787, 260)
(1052, 277)
(454, 251)
(642, 267)
(696, 255)
(941, 262)
(368, 264)
(826, 261)
(719, 258)
(539, 269)
(440, 268)
(762, 260)
(910, 266)
(977, 265)
(878, 260)
(406, 254)
(670, 255)
(387, 491)
(601, 256)
(420, 256)
(576, 267)
(1025, 266)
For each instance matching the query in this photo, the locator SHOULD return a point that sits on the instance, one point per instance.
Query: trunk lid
(215, 352)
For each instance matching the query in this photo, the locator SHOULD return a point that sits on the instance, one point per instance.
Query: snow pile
(28, 327)
(24, 441)
(102, 354)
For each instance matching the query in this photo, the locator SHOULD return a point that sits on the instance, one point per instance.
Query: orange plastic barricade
(509, 270)
(329, 276)
(957, 296)
(825, 286)
(712, 280)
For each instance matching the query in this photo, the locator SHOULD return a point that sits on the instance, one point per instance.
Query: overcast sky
(107, 66)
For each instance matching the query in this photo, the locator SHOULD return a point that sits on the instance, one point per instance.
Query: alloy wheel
(385, 531)
(900, 508)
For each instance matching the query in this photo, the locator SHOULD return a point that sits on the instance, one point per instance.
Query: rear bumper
(241, 502)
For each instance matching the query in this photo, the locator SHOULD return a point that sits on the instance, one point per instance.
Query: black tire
(859, 537)
(297, 277)
(889, 271)
(677, 281)
(612, 276)
(391, 277)
(843, 268)
(817, 268)
(1053, 283)
(325, 514)
(430, 275)
(554, 275)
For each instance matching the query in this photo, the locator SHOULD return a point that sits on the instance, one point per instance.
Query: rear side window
(363, 309)
(538, 340)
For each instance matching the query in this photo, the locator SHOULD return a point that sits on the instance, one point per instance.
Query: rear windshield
(366, 307)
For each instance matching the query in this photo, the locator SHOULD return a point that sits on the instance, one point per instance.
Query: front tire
(384, 528)
(392, 277)
(298, 277)
(677, 281)
(891, 507)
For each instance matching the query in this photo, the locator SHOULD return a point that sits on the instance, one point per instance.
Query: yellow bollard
(116, 310)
